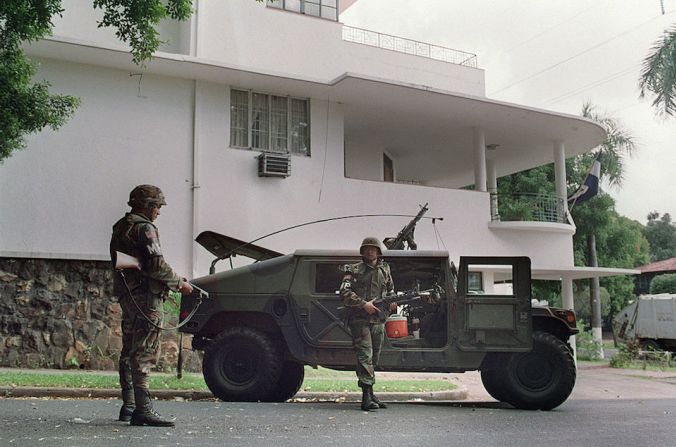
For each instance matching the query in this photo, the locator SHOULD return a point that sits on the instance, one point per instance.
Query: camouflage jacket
(137, 236)
(362, 283)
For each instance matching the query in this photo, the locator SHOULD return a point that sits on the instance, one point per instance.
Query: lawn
(316, 380)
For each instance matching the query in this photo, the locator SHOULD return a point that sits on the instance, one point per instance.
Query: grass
(320, 379)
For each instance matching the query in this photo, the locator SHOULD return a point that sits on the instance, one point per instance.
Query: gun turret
(406, 234)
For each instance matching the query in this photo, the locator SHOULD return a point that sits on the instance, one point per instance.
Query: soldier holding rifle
(362, 284)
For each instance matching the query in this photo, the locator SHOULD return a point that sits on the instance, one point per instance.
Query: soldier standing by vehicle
(362, 283)
(141, 293)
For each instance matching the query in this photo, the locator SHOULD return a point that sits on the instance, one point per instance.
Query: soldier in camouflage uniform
(362, 283)
(137, 236)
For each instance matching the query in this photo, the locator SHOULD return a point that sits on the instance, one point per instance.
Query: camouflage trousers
(140, 339)
(367, 340)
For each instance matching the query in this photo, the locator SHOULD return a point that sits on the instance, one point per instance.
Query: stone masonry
(61, 314)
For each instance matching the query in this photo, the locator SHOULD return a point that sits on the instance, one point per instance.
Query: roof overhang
(557, 274)
(428, 131)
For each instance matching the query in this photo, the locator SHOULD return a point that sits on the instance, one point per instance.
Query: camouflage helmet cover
(146, 196)
(371, 242)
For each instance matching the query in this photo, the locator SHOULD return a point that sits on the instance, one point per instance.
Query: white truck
(650, 321)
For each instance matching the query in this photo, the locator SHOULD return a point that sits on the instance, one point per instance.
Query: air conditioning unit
(274, 165)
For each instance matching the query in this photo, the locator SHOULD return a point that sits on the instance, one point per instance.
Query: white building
(373, 124)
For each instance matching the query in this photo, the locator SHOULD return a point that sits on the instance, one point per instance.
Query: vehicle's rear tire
(492, 375)
(241, 365)
(289, 383)
(541, 379)
(650, 345)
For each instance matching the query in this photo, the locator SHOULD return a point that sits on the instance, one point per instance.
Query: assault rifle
(401, 298)
(406, 234)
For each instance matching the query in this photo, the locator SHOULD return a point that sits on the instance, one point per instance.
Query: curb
(303, 396)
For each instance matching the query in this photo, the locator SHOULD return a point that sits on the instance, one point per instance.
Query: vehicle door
(499, 317)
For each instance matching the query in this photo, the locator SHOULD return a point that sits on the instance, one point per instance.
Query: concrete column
(479, 159)
(560, 176)
(568, 303)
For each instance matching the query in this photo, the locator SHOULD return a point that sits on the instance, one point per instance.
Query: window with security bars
(269, 122)
(325, 9)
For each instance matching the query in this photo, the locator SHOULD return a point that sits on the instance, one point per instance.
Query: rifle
(406, 234)
(401, 298)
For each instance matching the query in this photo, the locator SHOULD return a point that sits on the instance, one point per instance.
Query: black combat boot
(144, 413)
(128, 405)
(127, 393)
(366, 402)
(375, 399)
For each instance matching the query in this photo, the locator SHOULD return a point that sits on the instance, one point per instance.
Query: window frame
(281, 5)
(289, 128)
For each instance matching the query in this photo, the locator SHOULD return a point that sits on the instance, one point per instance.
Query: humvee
(265, 321)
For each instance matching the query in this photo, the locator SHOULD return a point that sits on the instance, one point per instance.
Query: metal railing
(408, 46)
(527, 207)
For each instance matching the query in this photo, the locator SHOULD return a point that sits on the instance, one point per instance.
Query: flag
(590, 187)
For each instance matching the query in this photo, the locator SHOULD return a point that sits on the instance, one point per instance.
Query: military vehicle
(265, 321)
(649, 321)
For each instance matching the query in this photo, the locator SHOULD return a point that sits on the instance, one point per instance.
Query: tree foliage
(27, 106)
(661, 234)
(658, 75)
(663, 284)
(135, 22)
(619, 241)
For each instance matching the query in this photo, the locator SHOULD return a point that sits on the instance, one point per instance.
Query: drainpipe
(195, 173)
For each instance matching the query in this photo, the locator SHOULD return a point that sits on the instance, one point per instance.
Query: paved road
(607, 408)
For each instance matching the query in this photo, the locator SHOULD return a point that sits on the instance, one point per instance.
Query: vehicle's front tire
(242, 365)
(492, 375)
(541, 379)
(290, 381)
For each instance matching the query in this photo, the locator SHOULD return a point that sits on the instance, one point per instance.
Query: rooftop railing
(408, 46)
(527, 207)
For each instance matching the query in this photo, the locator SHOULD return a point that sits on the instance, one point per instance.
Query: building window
(269, 123)
(388, 169)
(325, 9)
(475, 282)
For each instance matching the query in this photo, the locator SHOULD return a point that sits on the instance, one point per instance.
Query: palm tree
(659, 73)
(594, 215)
(618, 143)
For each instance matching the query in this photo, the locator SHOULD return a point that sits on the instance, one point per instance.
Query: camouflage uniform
(362, 283)
(137, 236)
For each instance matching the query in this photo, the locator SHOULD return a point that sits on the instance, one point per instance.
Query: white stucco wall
(79, 21)
(247, 34)
(62, 194)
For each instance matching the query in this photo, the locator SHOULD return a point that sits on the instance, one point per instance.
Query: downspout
(195, 140)
(195, 175)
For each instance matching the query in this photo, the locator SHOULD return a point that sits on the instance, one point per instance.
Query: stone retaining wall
(61, 314)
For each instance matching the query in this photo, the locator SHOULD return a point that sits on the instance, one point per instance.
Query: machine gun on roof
(406, 234)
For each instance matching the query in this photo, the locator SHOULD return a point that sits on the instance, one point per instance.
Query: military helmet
(371, 242)
(146, 196)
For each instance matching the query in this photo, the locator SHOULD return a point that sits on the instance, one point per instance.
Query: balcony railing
(408, 46)
(527, 207)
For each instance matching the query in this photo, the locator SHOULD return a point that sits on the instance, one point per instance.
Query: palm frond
(658, 74)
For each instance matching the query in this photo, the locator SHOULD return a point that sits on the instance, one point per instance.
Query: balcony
(408, 46)
(527, 207)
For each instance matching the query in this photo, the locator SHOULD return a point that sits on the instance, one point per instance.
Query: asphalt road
(606, 408)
